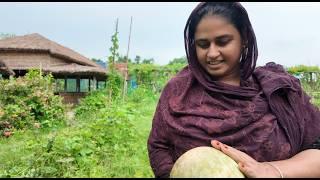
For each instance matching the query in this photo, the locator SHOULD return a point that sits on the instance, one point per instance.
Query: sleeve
(311, 138)
(159, 146)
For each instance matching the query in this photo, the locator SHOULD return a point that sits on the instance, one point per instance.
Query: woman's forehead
(215, 26)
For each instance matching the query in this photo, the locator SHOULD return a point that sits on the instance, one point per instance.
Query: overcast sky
(287, 33)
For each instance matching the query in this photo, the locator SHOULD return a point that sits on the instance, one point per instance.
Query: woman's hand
(247, 165)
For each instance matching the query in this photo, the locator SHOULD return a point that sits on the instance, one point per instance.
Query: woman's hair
(234, 13)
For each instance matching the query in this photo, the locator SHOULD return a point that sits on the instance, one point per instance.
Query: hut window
(93, 84)
(84, 85)
(71, 85)
(60, 85)
(101, 84)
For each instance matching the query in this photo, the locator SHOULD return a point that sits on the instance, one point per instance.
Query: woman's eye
(223, 41)
(203, 44)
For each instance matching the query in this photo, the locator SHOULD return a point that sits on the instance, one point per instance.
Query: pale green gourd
(205, 162)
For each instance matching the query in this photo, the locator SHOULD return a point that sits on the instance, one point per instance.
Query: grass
(25, 153)
(135, 163)
(15, 151)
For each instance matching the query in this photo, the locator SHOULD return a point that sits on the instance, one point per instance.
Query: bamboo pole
(125, 85)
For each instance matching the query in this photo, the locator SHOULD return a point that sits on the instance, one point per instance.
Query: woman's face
(218, 47)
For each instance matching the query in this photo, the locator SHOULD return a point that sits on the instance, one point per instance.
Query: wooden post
(40, 69)
(116, 33)
(125, 83)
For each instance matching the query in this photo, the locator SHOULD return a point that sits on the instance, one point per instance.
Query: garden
(105, 135)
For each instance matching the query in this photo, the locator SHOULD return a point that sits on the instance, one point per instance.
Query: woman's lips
(214, 63)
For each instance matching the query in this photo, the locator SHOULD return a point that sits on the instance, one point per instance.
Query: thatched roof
(37, 43)
(75, 69)
(5, 69)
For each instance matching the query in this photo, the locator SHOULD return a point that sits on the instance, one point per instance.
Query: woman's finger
(216, 144)
(233, 153)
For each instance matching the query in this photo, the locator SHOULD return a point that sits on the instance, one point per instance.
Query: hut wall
(72, 98)
(30, 60)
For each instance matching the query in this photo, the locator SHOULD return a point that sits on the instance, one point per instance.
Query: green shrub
(94, 101)
(98, 141)
(142, 93)
(27, 100)
(152, 76)
(114, 85)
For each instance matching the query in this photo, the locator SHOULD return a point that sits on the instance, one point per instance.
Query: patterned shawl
(269, 118)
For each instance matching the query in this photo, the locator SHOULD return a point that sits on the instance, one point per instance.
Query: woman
(260, 117)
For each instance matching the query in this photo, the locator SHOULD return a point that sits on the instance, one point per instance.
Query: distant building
(102, 64)
(122, 68)
(75, 74)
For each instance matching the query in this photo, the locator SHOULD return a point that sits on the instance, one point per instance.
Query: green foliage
(181, 60)
(99, 61)
(148, 61)
(92, 144)
(154, 76)
(92, 102)
(114, 85)
(109, 141)
(316, 100)
(124, 59)
(309, 77)
(296, 70)
(137, 59)
(306, 73)
(114, 49)
(100, 98)
(28, 100)
(310, 86)
(137, 95)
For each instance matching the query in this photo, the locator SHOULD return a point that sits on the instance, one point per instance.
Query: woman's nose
(213, 51)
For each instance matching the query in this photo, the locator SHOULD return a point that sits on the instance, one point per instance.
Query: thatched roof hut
(20, 53)
(75, 69)
(37, 45)
(5, 70)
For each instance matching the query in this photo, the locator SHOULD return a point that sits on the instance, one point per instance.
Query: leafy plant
(28, 100)
(114, 85)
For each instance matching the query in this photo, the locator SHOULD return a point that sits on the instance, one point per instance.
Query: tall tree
(181, 60)
(137, 59)
(114, 49)
(100, 62)
(123, 59)
(148, 61)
